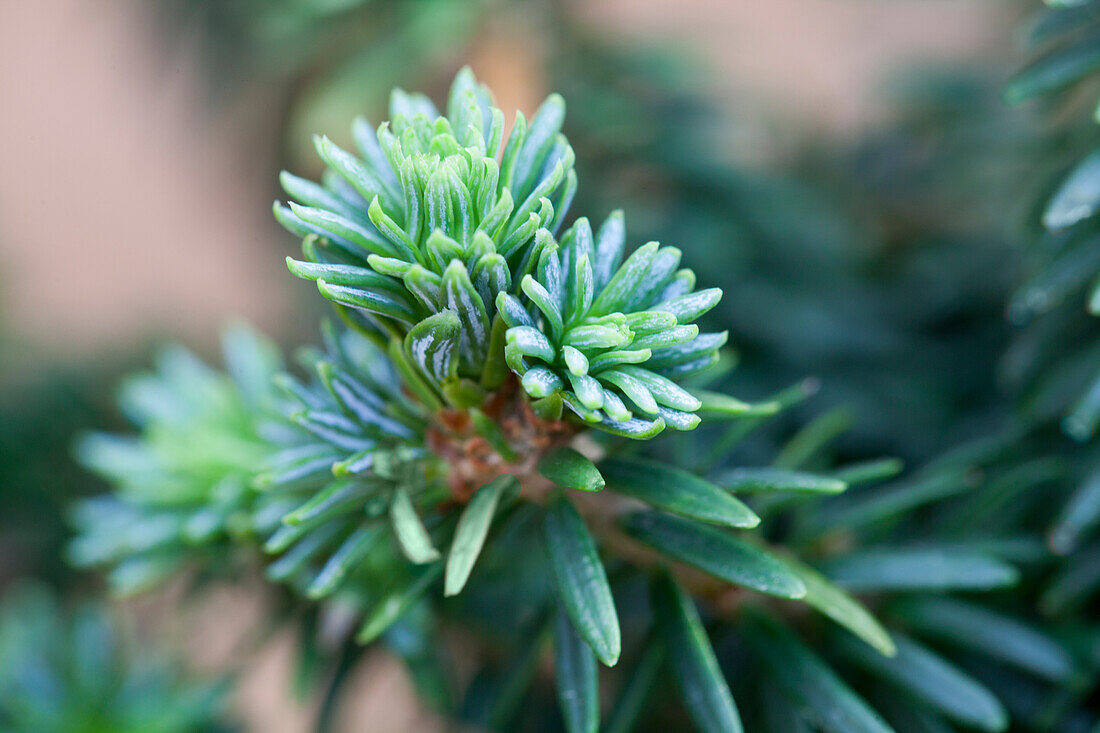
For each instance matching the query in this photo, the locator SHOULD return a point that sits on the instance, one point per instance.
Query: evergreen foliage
(431, 446)
(518, 427)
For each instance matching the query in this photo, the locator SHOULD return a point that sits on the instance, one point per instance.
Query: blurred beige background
(123, 206)
(128, 208)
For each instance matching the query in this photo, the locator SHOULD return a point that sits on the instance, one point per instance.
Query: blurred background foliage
(906, 269)
(75, 670)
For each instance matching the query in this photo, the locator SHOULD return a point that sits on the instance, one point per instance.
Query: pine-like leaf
(717, 552)
(835, 603)
(576, 673)
(932, 679)
(999, 637)
(473, 527)
(409, 530)
(582, 581)
(703, 688)
(753, 480)
(677, 491)
(571, 470)
(808, 682)
(920, 569)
